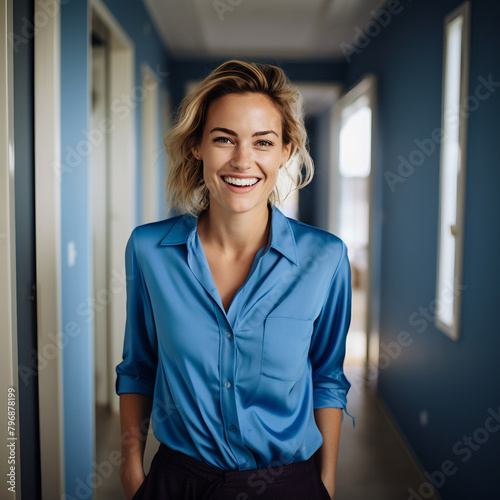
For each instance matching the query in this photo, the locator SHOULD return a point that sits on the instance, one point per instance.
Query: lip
(239, 176)
(240, 189)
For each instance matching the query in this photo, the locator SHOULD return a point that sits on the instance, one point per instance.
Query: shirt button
(229, 335)
(233, 428)
(227, 384)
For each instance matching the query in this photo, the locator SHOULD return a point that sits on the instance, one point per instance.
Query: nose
(243, 157)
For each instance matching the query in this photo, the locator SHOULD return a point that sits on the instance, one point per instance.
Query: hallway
(402, 107)
(374, 464)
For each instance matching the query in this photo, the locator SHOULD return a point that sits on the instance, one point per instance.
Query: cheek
(210, 177)
(272, 174)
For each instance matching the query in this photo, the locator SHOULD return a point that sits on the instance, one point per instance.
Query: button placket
(227, 369)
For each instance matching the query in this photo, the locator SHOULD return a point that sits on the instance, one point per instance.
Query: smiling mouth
(235, 181)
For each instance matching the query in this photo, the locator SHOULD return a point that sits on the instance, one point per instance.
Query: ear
(287, 152)
(196, 151)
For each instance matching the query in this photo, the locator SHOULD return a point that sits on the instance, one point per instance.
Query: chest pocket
(285, 348)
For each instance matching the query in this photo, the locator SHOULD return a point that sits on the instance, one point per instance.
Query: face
(241, 149)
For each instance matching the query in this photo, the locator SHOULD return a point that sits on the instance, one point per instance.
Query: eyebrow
(233, 133)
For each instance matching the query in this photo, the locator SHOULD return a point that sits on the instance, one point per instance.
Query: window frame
(453, 330)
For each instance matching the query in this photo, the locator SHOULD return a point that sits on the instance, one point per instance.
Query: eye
(265, 143)
(222, 140)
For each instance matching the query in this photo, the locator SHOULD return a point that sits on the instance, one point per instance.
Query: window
(355, 167)
(452, 172)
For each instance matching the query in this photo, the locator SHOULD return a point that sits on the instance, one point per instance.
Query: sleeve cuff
(328, 398)
(126, 384)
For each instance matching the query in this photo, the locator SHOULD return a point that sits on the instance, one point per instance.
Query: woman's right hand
(135, 410)
(131, 478)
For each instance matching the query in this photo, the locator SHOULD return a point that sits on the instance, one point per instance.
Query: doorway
(113, 210)
(112, 164)
(99, 180)
(353, 212)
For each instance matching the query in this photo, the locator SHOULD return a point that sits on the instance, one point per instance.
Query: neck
(232, 233)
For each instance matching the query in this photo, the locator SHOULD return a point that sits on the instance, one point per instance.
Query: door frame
(48, 249)
(8, 303)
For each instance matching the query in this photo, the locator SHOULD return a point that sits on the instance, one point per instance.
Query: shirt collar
(281, 236)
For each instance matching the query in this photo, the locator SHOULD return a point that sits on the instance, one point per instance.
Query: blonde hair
(185, 187)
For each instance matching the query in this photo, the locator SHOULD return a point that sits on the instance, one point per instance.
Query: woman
(236, 315)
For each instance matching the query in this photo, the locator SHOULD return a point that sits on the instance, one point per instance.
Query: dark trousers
(175, 476)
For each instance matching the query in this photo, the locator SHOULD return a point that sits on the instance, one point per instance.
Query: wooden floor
(374, 464)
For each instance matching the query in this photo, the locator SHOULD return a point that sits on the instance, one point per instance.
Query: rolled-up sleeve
(137, 372)
(328, 343)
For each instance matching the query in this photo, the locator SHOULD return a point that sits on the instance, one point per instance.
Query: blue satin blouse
(237, 390)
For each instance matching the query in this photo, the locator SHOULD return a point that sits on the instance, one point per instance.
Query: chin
(242, 205)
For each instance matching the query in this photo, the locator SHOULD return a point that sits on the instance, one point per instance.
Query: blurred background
(402, 109)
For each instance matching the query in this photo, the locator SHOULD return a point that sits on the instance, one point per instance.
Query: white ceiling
(296, 29)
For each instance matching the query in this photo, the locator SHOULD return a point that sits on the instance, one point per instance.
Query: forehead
(244, 110)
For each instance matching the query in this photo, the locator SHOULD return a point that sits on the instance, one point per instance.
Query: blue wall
(314, 198)
(456, 383)
(77, 291)
(78, 386)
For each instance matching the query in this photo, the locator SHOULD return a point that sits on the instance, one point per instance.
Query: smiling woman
(244, 156)
(186, 189)
(236, 315)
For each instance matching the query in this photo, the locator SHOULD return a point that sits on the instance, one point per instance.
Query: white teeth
(241, 182)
